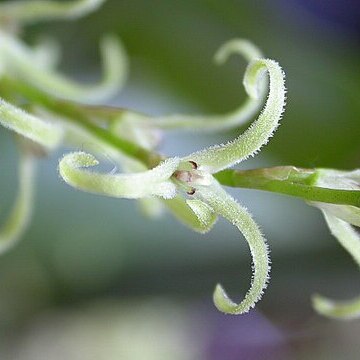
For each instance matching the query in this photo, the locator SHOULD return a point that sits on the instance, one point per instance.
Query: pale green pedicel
(350, 240)
(19, 217)
(214, 122)
(46, 134)
(32, 11)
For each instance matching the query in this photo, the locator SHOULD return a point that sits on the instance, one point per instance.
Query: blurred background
(95, 279)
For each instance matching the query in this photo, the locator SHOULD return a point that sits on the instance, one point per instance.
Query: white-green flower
(193, 175)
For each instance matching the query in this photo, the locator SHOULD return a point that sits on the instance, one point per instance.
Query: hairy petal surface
(350, 240)
(214, 122)
(155, 182)
(44, 10)
(223, 204)
(30, 126)
(19, 217)
(219, 157)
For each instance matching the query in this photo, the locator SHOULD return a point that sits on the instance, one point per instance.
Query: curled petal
(198, 217)
(350, 240)
(19, 217)
(214, 122)
(219, 157)
(29, 126)
(224, 205)
(132, 186)
(44, 10)
(342, 310)
(21, 62)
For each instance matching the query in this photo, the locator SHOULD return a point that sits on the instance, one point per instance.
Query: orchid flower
(193, 174)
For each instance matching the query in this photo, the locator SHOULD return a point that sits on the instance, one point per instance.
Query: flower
(193, 175)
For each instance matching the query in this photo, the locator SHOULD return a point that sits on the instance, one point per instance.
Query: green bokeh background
(82, 249)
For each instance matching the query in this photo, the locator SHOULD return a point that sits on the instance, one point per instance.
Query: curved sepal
(209, 123)
(155, 182)
(224, 205)
(219, 157)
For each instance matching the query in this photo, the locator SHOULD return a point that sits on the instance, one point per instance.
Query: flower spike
(350, 240)
(223, 204)
(155, 182)
(44, 10)
(209, 123)
(219, 157)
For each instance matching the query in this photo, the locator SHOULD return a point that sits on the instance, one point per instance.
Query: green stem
(74, 113)
(288, 180)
